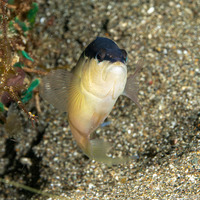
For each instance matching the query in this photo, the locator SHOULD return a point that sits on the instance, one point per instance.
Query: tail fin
(97, 150)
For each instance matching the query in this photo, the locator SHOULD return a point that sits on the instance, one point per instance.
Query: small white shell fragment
(151, 10)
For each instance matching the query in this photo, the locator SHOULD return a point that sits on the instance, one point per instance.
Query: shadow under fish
(89, 92)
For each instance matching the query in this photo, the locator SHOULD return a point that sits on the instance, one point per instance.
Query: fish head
(104, 71)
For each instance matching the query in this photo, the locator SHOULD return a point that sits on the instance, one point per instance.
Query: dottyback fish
(89, 92)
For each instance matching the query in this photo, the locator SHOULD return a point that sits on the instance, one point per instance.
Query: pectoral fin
(55, 88)
(131, 88)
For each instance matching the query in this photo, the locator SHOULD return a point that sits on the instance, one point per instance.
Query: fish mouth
(114, 71)
(117, 68)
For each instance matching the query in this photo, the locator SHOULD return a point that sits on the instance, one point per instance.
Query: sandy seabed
(164, 135)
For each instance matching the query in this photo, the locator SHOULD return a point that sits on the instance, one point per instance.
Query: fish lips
(114, 72)
(117, 68)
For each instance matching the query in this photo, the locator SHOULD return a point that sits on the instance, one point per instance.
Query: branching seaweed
(17, 17)
(11, 74)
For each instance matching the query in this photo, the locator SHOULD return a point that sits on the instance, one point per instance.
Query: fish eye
(101, 55)
(124, 55)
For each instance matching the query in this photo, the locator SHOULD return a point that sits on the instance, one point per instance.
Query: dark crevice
(57, 58)
(105, 25)
(66, 27)
(32, 174)
(39, 137)
(92, 6)
(80, 43)
(10, 152)
(15, 168)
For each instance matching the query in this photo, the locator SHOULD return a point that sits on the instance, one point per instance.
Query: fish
(89, 92)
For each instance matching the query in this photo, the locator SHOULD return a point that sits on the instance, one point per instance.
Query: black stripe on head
(105, 49)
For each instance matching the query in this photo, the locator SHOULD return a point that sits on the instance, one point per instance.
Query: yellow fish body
(89, 92)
